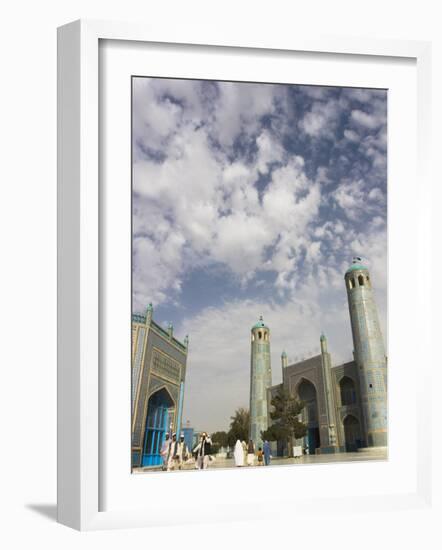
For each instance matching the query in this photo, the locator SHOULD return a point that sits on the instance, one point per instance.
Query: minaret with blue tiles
(369, 352)
(260, 380)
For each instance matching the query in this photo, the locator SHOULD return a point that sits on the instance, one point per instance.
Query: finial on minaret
(284, 360)
(170, 330)
(260, 324)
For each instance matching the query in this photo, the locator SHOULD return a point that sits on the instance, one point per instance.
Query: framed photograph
(242, 251)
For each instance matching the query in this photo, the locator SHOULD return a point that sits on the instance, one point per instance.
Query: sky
(251, 199)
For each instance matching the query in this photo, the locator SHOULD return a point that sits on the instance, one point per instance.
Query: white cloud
(358, 200)
(351, 135)
(239, 108)
(376, 194)
(364, 119)
(155, 271)
(350, 196)
(321, 120)
(269, 151)
(240, 242)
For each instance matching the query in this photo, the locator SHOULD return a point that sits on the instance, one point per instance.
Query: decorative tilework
(136, 365)
(164, 366)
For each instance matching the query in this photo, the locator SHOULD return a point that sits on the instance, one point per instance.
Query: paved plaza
(373, 454)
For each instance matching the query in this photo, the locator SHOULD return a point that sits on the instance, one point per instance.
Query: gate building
(158, 376)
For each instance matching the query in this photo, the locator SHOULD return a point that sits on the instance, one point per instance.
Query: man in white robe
(238, 453)
(165, 451)
(182, 453)
(244, 448)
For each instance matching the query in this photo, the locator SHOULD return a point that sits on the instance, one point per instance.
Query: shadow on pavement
(48, 511)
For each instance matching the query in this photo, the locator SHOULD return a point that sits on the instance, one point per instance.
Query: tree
(286, 425)
(219, 439)
(239, 426)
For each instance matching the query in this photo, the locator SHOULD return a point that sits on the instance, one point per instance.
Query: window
(361, 280)
(260, 335)
(351, 283)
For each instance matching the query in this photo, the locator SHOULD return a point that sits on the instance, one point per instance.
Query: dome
(260, 324)
(322, 337)
(283, 354)
(357, 265)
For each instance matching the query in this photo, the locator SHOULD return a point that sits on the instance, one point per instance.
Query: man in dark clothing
(203, 451)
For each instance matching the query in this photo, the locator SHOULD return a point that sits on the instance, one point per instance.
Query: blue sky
(252, 199)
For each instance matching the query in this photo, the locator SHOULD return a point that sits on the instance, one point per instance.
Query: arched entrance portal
(159, 413)
(352, 433)
(307, 393)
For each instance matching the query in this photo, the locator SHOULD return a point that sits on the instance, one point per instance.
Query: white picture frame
(79, 265)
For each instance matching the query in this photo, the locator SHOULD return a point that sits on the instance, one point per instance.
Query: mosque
(345, 405)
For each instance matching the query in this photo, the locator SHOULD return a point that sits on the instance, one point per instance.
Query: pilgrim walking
(182, 452)
(203, 451)
(178, 453)
(251, 453)
(238, 453)
(165, 451)
(173, 449)
(267, 452)
(244, 448)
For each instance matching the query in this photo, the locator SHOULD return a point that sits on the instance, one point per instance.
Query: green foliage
(239, 426)
(284, 414)
(220, 438)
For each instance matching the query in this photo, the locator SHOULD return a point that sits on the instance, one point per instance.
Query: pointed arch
(160, 408)
(352, 433)
(306, 392)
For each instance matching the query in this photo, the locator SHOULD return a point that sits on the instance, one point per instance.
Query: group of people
(246, 454)
(175, 452)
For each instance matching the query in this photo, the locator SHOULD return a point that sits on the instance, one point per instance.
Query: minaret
(149, 314)
(329, 396)
(260, 380)
(369, 352)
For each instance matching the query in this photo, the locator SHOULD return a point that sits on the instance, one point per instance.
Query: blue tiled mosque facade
(159, 363)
